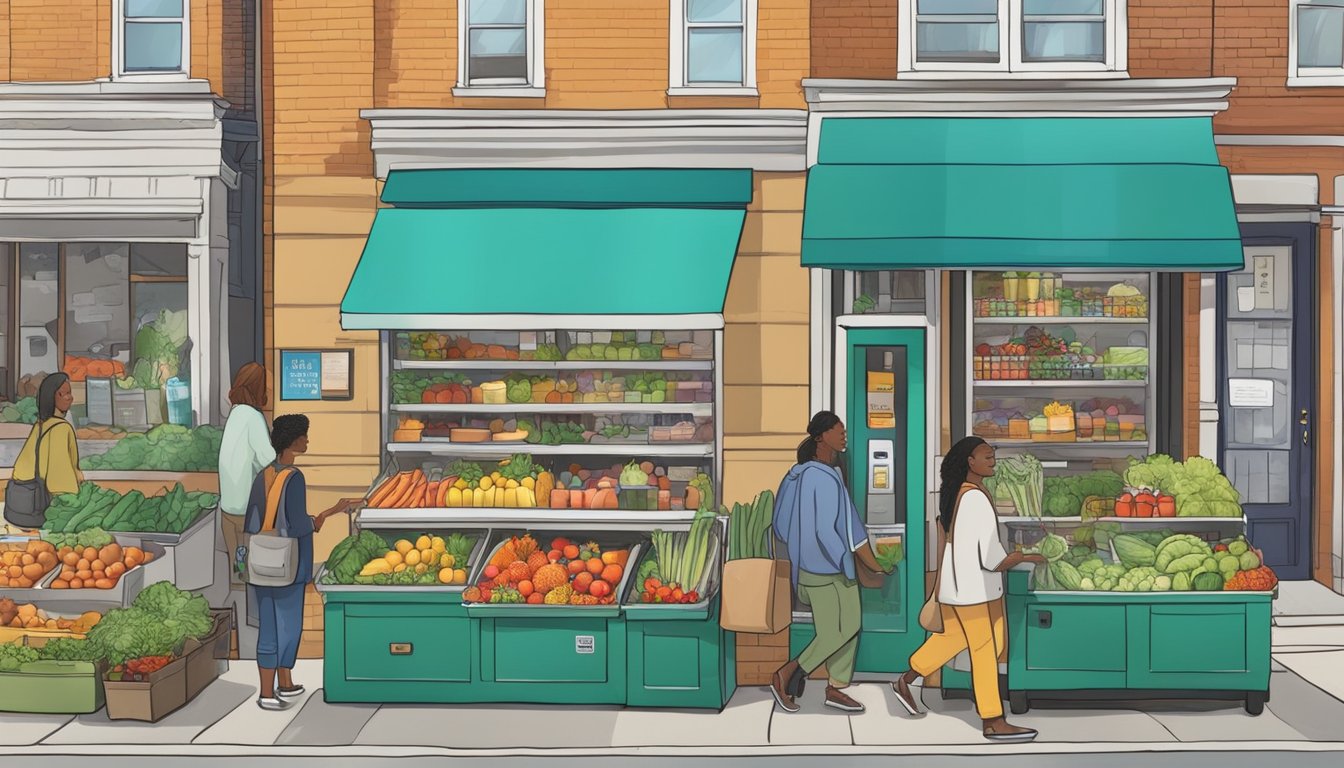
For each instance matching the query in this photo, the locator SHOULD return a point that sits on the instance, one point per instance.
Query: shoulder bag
(26, 501)
(273, 557)
(931, 615)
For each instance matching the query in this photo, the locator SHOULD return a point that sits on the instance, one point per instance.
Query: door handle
(1304, 419)
(1044, 619)
(1306, 437)
(399, 649)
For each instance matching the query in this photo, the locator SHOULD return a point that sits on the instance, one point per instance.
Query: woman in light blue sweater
(816, 518)
(244, 450)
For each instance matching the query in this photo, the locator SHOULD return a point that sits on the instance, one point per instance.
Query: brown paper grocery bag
(757, 596)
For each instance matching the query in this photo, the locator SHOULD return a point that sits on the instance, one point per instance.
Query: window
(712, 50)
(1065, 38)
(500, 48)
(1316, 42)
(151, 39)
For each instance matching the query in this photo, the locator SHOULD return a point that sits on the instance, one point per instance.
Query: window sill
(729, 91)
(1320, 81)
(153, 77)
(499, 92)
(997, 74)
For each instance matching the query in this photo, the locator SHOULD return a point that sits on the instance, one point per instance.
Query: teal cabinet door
(1070, 647)
(388, 647)
(550, 650)
(1219, 646)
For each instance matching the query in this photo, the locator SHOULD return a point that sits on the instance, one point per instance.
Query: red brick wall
(854, 39)
(1170, 38)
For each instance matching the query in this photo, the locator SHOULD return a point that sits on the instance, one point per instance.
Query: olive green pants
(837, 617)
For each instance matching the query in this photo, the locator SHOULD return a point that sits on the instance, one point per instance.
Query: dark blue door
(1267, 387)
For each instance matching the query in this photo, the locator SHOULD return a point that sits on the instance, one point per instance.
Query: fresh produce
(139, 670)
(91, 568)
(1133, 551)
(566, 574)
(21, 411)
(683, 557)
(13, 656)
(158, 349)
(156, 624)
(1199, 488)
(167, 447)
(1207, 582)
(415, 387)
(749, 526)
(1064, 496)
(1068, 577)
(1260, 579)
(1099, 576)
(83, 368)
(69, 649)
(94, 507)
(889, 555)
(701, 491)
(350, 556)
(427, 561)
(553, 433)
(1053, 547)
(1022, 478)
(29, 616)
(1181, 552)
(1143, 579)
(23, 566)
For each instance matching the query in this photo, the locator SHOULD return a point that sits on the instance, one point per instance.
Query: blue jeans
(280, 611)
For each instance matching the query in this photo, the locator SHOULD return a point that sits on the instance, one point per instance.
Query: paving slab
(1307, 598)
(493, 726)
(251, 725)
(814, 722)
(180, 727)
(744, 722)
(1308, 709)
(1309, 621)
(1325, 670)
(22, 730)
(1224, 725)
(1084, 726)
(1313, 636)
(319, 724)
(886, 723)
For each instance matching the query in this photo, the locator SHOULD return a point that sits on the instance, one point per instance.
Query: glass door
(886, 470)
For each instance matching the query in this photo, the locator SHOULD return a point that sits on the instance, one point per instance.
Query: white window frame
(1307, 77)
(119, 47)
(677, 84)
(1010, 63)
(534, 88)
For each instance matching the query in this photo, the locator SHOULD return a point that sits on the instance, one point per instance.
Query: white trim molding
(1185, 97)
(760, 139)
(678, 78)
(1011, 61)
(1309, 77)
(118, 63)
(1280, 140)
(534, 87)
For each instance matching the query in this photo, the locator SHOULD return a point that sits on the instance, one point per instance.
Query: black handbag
(26, 501)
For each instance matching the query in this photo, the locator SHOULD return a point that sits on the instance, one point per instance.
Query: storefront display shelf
(501, 610)
(537, 519)
(1060, 383)
(503, 450)
(473, 565)
(551, 365)
(708, 589)
(1155, 521)
(690, 409)
(1058, 320)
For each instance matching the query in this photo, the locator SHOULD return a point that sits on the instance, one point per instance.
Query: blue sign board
(300, 375)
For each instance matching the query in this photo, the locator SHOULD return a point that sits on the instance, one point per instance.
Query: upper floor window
(500, 47)
(151, 38)
(1316, 42)
(1039, 37)
(713, 47)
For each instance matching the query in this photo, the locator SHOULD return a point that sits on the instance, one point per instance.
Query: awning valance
(550, 249)
(1059, 193)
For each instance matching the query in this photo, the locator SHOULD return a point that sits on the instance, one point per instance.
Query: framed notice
(316, 374)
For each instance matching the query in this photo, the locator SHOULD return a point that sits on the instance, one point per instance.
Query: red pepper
(1124, 506)
(1166, 506)
(1145, 504)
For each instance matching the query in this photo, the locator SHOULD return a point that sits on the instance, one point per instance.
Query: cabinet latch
(399, 649)
(1044, 619)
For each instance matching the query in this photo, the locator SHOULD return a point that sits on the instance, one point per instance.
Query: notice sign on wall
(316, 374)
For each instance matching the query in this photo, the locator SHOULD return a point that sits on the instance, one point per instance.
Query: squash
(544, 485)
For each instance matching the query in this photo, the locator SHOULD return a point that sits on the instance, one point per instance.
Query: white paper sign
(1250, 393)
(336, 374)
(584, 644)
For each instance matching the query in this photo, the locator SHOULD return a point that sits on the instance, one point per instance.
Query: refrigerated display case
(525, 436)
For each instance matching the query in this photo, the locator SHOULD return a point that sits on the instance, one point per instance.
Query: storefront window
(39, 310)
(97, 305)
(6, 281)
(888, 292)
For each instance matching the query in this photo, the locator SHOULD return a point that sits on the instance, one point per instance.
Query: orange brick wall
(1170, 38)
(56, 41)
(4, 35)
(854, 38)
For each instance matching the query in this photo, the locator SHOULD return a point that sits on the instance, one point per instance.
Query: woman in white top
(244, 450)
(970, 589)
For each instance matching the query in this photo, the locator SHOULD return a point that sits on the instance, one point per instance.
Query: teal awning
(1059, 193)
(550, 249)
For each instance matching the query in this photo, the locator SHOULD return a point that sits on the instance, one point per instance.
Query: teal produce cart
(1097, 646)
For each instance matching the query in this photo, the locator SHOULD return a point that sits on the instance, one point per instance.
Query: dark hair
(956, 466)
(821, 423)
(286, 429)
(46, 395)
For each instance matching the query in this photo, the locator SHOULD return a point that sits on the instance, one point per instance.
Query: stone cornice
(1193, 97)
(761, 139)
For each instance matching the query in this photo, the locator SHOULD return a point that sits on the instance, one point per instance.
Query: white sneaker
(271, 704)
(290, 693)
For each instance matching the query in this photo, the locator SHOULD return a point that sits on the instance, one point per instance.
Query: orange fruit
(582, 582)
(594, 565)
(612, 574)
(525, 588)
(577, 566)
(570, 551)
(535, 598)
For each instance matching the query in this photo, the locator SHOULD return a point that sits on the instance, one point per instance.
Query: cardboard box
(164, 693)
(757, 596)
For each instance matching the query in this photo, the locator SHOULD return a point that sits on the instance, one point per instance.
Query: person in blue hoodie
(816, 519)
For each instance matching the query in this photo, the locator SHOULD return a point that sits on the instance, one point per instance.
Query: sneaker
(838, 699)
(271, 704)
(1000, 730)
(780, 687)
(290, 693)
(906, 698)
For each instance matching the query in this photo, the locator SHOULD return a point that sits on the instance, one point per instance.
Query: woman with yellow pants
(970, 589)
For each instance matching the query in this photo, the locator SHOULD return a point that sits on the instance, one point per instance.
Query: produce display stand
(421, 644)
(189, 556)
(53, 688)
(1101, 646)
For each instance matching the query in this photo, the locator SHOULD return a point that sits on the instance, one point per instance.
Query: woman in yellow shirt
(60, 452)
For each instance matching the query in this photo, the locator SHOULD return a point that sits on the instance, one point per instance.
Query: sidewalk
(1304, 713)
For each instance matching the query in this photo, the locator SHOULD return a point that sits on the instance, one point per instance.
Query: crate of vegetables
(30, 684)
(107, 573)
(146, 689)
(24, 564)
(678, 575)
(32, 626)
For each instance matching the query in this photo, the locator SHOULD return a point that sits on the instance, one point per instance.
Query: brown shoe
(999, 729)
(780, 686)
(838, 699)
(906, 697)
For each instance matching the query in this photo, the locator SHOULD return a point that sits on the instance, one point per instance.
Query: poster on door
(881, 400)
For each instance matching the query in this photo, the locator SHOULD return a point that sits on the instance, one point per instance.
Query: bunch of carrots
(411, 489)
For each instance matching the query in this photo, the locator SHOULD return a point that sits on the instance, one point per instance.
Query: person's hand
(317, 523)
